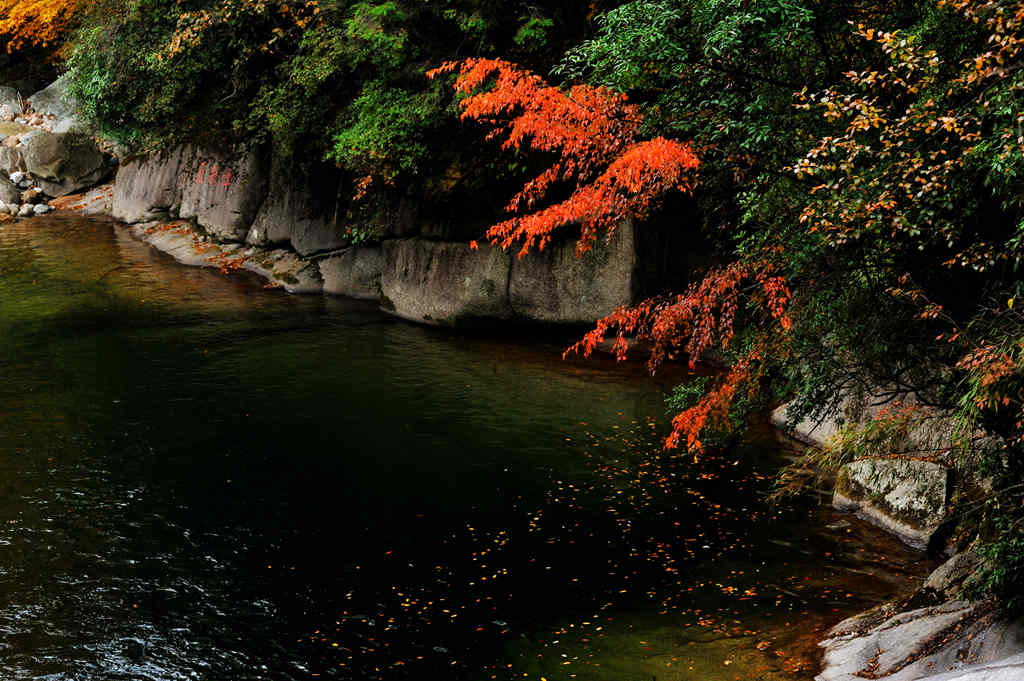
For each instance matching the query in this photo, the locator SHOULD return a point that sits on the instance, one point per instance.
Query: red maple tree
(596, 135)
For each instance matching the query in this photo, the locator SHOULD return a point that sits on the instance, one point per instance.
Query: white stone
(953, 641)
(41, 209)
(25, 210)
(905, 497)
(17, 176)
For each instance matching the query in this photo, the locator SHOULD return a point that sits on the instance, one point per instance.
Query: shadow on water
(202, 479)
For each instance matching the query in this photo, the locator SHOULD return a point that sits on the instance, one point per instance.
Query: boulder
(149, 188)
(948, 577)
(54, 101)
(444, 283)
(817, 433)
(41, 209)
(298, 215)
(942, 642)
(25, 210)
(11, 160)
(11, 98)
(554, 285)
(903, 496)
(354, 272)
(64, 163)
(8, 192)
(223, 190)
(923, 428)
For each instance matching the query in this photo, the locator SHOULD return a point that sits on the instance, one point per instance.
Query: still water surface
(202, 479)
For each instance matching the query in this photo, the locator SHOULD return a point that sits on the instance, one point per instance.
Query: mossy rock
(905, 497)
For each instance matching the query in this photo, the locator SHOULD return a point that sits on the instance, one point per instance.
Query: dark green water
(201, 479)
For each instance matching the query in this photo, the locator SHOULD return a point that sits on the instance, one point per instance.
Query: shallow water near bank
(203, 479)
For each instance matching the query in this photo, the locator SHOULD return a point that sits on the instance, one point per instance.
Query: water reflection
(202, 479)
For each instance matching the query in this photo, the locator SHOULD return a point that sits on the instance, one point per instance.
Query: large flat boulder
(905, 497)
(355, 272)
(444, 283)
(815, 432)
(64, 163)
(954, 640)
(96, 201)
(223, 190)
(555, 285)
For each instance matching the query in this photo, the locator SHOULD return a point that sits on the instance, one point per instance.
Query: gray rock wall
(149, 187)
(223, 191)
(355, 272)
(238, 199)
(444, 283)
(555, 285)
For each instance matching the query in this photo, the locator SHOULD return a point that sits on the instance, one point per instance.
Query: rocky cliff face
(236, 199)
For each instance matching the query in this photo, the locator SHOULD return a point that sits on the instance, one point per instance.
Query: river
(203, 479)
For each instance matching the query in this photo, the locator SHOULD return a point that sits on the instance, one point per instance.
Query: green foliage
(534, 33)
(388, 130)
(338, 82)
(377, 37)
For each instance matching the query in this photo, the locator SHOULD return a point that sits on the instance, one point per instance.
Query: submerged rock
(283, 268)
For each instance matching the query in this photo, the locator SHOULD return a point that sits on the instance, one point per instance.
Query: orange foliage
(695, 322)
(193, 25)
(35, 22)
(595, 133)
